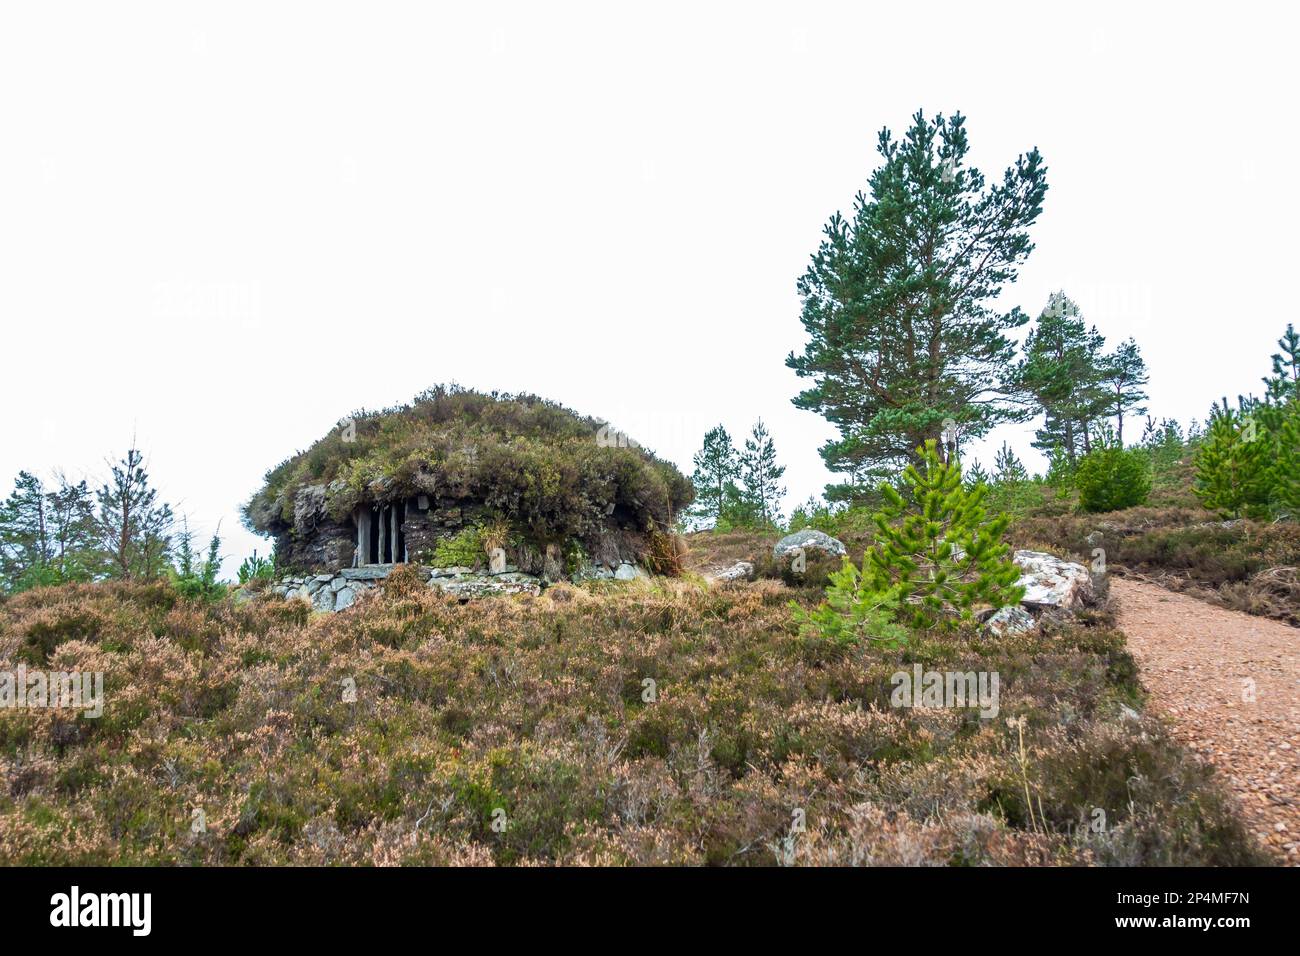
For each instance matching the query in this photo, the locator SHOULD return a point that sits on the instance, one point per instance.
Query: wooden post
(363, 535)
(393, 535)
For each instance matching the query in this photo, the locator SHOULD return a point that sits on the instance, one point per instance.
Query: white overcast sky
(221, 230)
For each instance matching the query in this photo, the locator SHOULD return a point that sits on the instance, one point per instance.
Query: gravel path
(1200, 665)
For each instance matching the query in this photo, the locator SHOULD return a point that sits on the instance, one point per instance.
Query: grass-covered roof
(537, 464)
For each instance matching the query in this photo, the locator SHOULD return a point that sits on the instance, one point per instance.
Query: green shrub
(1110, 478)
(463, 550)
(256, 568)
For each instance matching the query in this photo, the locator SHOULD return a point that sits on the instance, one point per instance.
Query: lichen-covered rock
(1010, 620)
(308, 506)
(450, 572)
(809, 540)
(739, 571)
(552, 563)
(1051, 582)
(593, 571)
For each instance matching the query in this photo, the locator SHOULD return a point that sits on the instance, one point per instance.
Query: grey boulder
(808, 540)
(1050, 582)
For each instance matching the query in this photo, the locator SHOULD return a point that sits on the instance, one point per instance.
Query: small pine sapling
(1234, 463)
(853, 613)
(937, 554)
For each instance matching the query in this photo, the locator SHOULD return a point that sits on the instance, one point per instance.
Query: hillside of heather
(669, 721)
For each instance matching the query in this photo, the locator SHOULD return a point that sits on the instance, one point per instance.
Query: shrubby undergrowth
(656, 722)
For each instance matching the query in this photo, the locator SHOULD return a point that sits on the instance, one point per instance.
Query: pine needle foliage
(937, 552)
(1234, 463)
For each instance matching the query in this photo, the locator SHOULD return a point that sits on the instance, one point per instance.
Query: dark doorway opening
(381, 539)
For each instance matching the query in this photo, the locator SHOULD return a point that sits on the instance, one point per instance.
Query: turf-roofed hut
(467, 479)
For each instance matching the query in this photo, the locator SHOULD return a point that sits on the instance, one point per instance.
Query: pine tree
(1282, 385)
(25, 545)
(134, 527)
(1124, 375)
(1061, 373)
(74, 532)
(1165, 444)
(899, 301)
(760, 476)
(1285, 473)
(1008, 469)
(717, 464)
(193, 576)
(936, 553)
(976, 475)
(1234, 463)
(1060, 470)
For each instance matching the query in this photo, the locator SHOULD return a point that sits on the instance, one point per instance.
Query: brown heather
(534, 707)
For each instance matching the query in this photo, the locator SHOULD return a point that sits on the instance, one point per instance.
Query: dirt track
(1198, 662)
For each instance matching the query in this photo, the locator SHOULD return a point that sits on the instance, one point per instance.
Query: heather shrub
(660, 723)
(664, 553)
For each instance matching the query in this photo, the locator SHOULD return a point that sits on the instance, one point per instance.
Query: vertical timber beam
(363, 535)
(392, 533)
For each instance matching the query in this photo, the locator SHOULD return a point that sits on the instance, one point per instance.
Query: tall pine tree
(898, 300)
(26, 548)
(1061, 374)
(1282, 385)
(74, 532)
(135, 527)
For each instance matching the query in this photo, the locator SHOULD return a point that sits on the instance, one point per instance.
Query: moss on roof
(537, 464)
